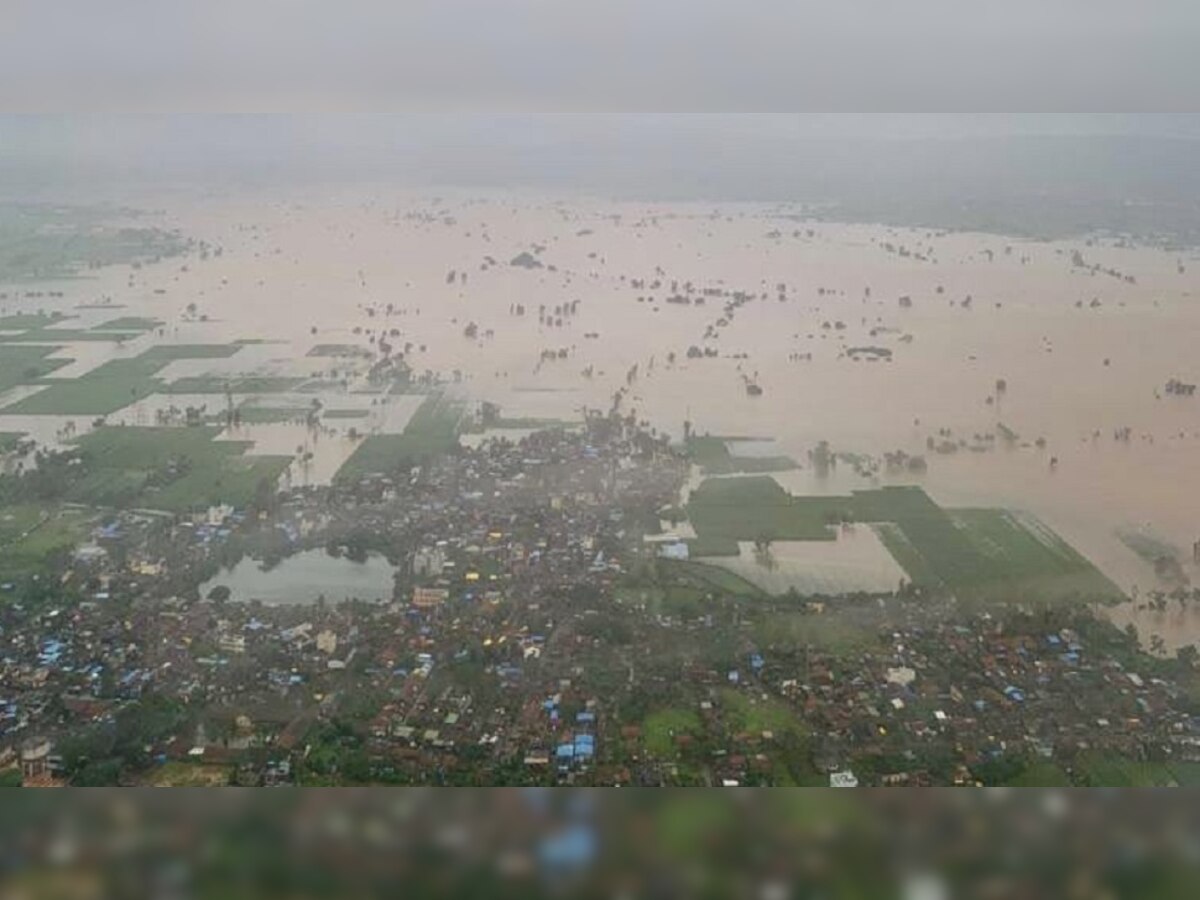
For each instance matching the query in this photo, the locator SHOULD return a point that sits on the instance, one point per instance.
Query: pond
(305, 577)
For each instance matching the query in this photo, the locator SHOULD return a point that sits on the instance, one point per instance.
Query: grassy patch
(21, 365)
(169, 352)
(128, 323)
(1107, 770)
(182, 774)
(28, 321)
(30, 533)
(726, 510)
(237, 384)
(1187, 774)
(66, 335)
(841, 631)
(112, 385)
(710, 577)
(1041, 774)
(173, 469)
(755, 715)
(1022, 555)
(105, 389)
(714, 457)
(432, 430)
(346, 413)
(660, 729)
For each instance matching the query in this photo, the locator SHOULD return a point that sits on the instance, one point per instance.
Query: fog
(1038, 175)
(695, 55)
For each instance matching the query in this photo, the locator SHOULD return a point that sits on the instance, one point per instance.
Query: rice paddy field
(974, 553)
(715, 457)
(21, 365)
(109, 387)
(174, 469)
(432, 429)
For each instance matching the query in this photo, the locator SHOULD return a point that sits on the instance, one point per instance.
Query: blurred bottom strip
(914, 845)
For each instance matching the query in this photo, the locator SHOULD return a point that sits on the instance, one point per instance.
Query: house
(843, 779)
(327, 642)
(427, 598)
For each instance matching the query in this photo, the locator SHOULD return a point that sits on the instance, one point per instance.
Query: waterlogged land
(973, 553)
(432, 430)
(529, 633)
(995, 373)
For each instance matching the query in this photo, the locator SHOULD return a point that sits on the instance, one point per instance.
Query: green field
(44, 241)
(1042, 774)
(432, 430)
(128, 323)
(169, 352)
(714, 457)
(29, 533)
(237, 384)
(27, 321)
(708, 577)
(21, 365)
(345, 413)
(843, 631)
(188, 775)
(39, 328)
(66, 335)
(110, 386)
(660, 729)
(174, 469)
(105, 389)
(1022, 554)
(754, 715)
(726, 510)
(976, 553)
(1098, 769)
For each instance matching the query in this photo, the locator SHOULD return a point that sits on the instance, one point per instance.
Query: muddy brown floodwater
(1083, 335)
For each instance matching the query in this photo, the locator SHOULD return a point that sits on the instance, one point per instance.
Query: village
(541, 628)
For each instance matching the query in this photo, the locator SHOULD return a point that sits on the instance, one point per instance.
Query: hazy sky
(587, 55)
(567, 94)
(346, 137)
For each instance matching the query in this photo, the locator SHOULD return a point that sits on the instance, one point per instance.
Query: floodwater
(305, 578)
(1082, 350)
(855, 561)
